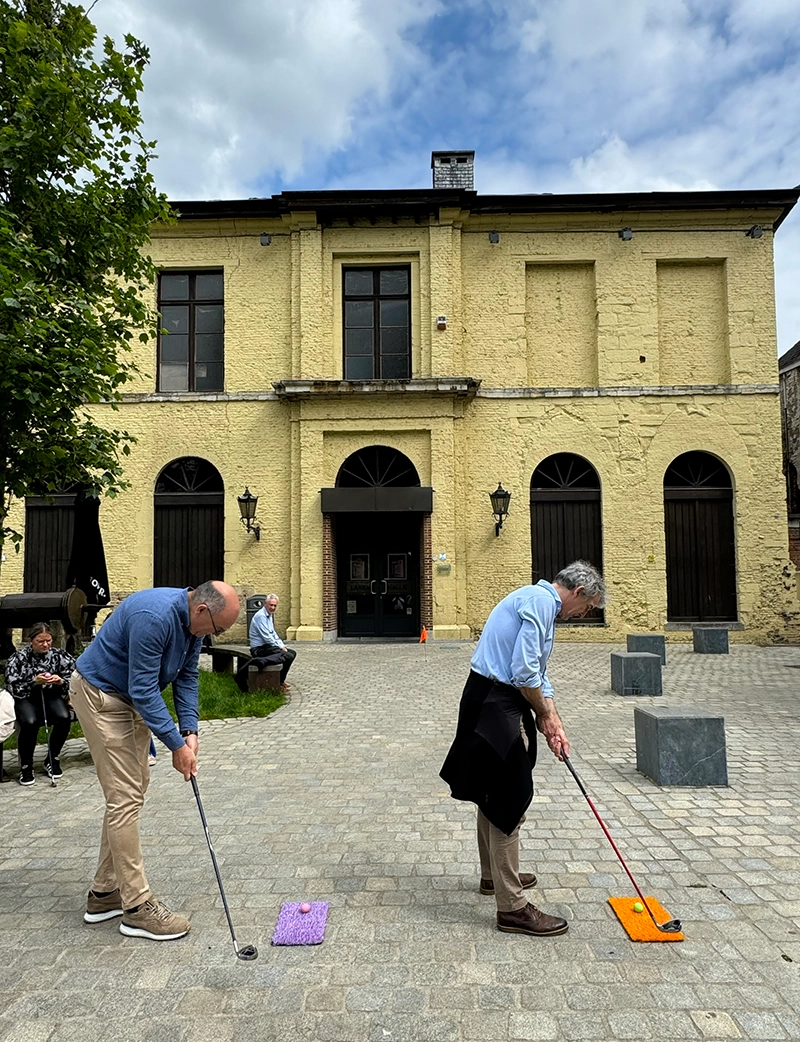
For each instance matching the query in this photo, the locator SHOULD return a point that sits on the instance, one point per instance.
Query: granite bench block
(635, 673)
(710, 640)
(652, 643)
(680, 746)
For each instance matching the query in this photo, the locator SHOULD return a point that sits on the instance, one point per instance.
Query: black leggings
(30, 718)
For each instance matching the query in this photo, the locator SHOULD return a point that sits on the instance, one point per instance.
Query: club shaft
(610, 838)
(47, 736)
(214, 862)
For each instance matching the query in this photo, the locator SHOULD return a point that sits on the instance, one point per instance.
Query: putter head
(248, 953)
(671, 926)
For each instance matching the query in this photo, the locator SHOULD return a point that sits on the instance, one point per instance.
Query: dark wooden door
(378, 570)
(566, 521)
(49, 525)
(700, 540)
(189, 524)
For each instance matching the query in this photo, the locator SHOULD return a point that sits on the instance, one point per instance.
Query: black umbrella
(87, 562)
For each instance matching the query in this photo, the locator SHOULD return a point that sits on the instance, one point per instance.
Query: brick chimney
(453, 169)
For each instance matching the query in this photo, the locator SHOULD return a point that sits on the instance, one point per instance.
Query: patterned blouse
(26, 664)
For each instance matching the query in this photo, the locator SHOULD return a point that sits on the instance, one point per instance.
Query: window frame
(191, 302)
(376, 297)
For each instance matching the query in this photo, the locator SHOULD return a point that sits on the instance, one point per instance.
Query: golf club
(47, 733)
(249, 951)
(672, 925)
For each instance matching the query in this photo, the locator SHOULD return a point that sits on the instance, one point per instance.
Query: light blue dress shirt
(262, 630)
(518, 638)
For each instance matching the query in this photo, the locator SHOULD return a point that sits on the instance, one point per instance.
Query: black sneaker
(52, 768)
(26, 774)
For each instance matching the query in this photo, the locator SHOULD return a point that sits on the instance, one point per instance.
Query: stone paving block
(680, 746)
(714, 1023)
(526, 1026)
(652, 643)
(635, 673)
(710, 640)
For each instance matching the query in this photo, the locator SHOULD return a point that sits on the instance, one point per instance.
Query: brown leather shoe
(531, 921)
(528, 879)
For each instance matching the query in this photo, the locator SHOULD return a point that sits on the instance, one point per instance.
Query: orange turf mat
(638, 925)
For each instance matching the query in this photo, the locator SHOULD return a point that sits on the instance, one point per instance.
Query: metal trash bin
(254, 604)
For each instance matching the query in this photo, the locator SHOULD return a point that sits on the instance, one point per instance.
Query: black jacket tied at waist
(488, 763)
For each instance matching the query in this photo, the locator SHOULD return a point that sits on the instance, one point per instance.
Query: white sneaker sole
(135, 931)
(101, 917)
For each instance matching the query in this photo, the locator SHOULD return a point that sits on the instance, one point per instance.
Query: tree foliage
(76, 204)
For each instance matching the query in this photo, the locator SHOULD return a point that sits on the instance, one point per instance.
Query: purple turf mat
(296, 927)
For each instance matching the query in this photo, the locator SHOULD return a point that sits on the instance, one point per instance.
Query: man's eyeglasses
(213, 623)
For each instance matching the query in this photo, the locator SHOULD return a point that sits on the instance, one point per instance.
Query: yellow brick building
(372, 364)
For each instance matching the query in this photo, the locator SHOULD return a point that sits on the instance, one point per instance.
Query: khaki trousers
(119, 741)
(499, 856)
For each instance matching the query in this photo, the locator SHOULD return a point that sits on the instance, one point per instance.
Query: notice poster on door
(396, 566)
(359, 566)
(351, 607)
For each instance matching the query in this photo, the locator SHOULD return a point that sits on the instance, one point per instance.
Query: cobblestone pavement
(336, 797)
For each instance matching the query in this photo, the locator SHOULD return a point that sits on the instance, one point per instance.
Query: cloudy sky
(251, 97)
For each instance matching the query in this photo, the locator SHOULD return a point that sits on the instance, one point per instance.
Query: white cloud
(243, 88)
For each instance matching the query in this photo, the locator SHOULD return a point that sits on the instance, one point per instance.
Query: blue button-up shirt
(144, 645)
(262, 630)
(518, 638)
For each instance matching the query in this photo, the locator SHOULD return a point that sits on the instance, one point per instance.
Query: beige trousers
(499, 856)
(119, 741)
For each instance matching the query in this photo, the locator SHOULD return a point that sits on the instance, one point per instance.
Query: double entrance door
(378, 575)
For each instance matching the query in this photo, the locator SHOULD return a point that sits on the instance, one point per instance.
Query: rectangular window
(190, 352)
(377, 323)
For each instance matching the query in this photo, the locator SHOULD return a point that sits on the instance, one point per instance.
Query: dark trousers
(30, 717)
(274, 655)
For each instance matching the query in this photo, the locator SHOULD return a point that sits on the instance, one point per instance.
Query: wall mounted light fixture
(494, 237)
(247, 508)
(265, 239)
(500, 500)
(626, 234)
(755, 232)
(441, 322)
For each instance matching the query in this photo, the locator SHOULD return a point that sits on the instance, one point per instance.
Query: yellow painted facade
(627, 353)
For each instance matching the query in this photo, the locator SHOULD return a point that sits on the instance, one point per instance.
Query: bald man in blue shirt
(507, 697)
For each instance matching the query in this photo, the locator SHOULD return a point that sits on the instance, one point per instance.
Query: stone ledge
(437, 386)
(660, 390)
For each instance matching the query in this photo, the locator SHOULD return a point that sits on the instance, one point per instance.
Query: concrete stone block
(652, 643)
(635, 673)
(681, 746)
(710, 640)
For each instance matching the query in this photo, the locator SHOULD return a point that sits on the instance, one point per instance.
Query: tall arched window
(700, 544)
(189, 539)
(566, 521)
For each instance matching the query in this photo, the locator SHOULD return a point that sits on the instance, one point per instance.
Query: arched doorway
(377, 538)
(700, 542)
(189, 537)
(566, 520)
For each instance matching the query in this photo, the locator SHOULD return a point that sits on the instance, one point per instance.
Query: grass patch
(220, 699)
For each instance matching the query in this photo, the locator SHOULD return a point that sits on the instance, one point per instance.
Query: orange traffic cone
(423, 636)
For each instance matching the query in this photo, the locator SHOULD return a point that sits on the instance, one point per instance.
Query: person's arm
(185, 689)
(547, 719)
(148, 636)
(14, 675)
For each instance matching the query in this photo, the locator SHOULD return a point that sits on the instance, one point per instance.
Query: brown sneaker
(528, 879)
(154, 921)
(99, 909)
(531, 921)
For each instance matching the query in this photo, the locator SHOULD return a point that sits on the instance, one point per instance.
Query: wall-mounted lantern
(626, 234)
(500, 500)
(441, 322)
(247, 508)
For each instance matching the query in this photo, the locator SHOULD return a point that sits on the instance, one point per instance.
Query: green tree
(76, 204)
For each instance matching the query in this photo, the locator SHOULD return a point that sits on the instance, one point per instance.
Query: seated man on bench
(265, 644)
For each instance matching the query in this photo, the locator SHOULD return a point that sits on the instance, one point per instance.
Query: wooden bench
(225, 657)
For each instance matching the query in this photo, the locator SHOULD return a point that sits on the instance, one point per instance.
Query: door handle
(372, 586)
(385, 586)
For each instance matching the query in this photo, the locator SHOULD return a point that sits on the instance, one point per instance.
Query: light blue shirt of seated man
(517, 639)
(262, 630)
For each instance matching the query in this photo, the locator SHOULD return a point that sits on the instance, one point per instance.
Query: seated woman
(38, 678)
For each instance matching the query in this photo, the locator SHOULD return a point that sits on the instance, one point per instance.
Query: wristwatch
(185, 734)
